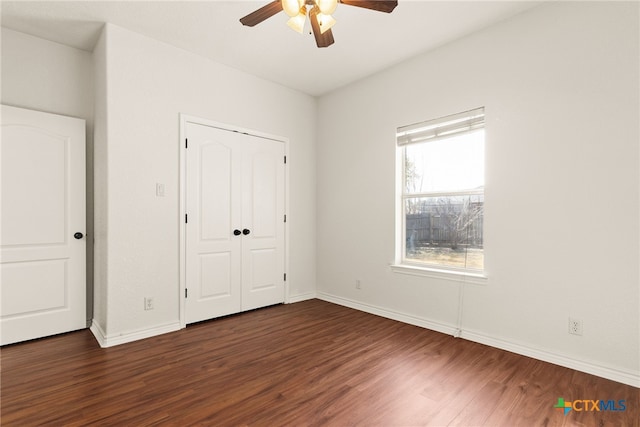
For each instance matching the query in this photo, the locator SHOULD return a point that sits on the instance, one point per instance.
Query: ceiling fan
(319, 12)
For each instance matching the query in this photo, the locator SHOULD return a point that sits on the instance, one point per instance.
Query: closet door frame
(185, 119)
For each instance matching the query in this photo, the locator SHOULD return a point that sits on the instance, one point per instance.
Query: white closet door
(43, 206)
(214, 197)
(235, 222)
(263, 214)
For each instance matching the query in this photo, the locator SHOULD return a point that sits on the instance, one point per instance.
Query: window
(441, 197)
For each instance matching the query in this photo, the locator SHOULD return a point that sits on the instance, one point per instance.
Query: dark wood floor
(305, 364)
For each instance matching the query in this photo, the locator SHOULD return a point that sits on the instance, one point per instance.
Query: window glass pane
(445, 165)
(446, 231)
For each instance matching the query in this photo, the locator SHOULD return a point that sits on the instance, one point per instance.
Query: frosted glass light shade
(327, 7)
(291, 7)
(326, 22)
(297, 22)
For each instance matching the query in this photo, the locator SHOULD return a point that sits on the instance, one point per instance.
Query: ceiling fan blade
(379, 5)
(261, 14)
(322, 39)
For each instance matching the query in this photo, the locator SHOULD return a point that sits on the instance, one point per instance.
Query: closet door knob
(78, 235)
(246, 231)
(236, 232)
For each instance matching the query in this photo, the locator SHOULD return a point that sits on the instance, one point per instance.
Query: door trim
(185, 119)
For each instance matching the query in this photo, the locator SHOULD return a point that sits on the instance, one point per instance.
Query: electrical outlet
(148, 303)
(358, 284)
(575, 326)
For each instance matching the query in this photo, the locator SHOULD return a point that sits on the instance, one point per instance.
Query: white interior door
(213, 207)
(42, 269)
(263, 215)
(234, 251)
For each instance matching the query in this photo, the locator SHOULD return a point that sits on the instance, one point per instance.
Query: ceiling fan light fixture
(297, 22)
(326, 22)
(327, 7)
(319, 12)
(292, 7)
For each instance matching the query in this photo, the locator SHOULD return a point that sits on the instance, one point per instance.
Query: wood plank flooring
(307, 364)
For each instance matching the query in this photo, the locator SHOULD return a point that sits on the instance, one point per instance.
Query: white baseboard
(98, 333)
(301, 297)
(389, 314)
(622, 376)
(109, 341)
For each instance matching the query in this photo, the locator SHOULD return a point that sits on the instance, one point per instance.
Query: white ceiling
(365, 41)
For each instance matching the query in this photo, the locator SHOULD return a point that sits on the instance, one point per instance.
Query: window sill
(479, 278)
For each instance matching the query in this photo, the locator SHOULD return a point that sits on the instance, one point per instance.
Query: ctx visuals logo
(590, 405)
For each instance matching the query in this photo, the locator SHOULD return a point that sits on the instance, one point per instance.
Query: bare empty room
(317, 212)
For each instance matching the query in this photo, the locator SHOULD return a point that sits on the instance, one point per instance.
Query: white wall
(147, 84)
(560, 84)
(42, 75)
(101, 181)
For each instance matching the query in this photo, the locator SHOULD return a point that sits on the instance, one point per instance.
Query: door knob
(78, 235)
(236, 232)
(246, 231)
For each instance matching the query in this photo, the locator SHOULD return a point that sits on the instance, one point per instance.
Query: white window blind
(444, 127)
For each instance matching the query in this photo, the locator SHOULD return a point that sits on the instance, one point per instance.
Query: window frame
(411, 267)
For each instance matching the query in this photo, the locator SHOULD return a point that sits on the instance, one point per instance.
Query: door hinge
(285, 277)
(285, 218)
(285, 160)
(186, 143)
(186, 218)
(186, 292)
